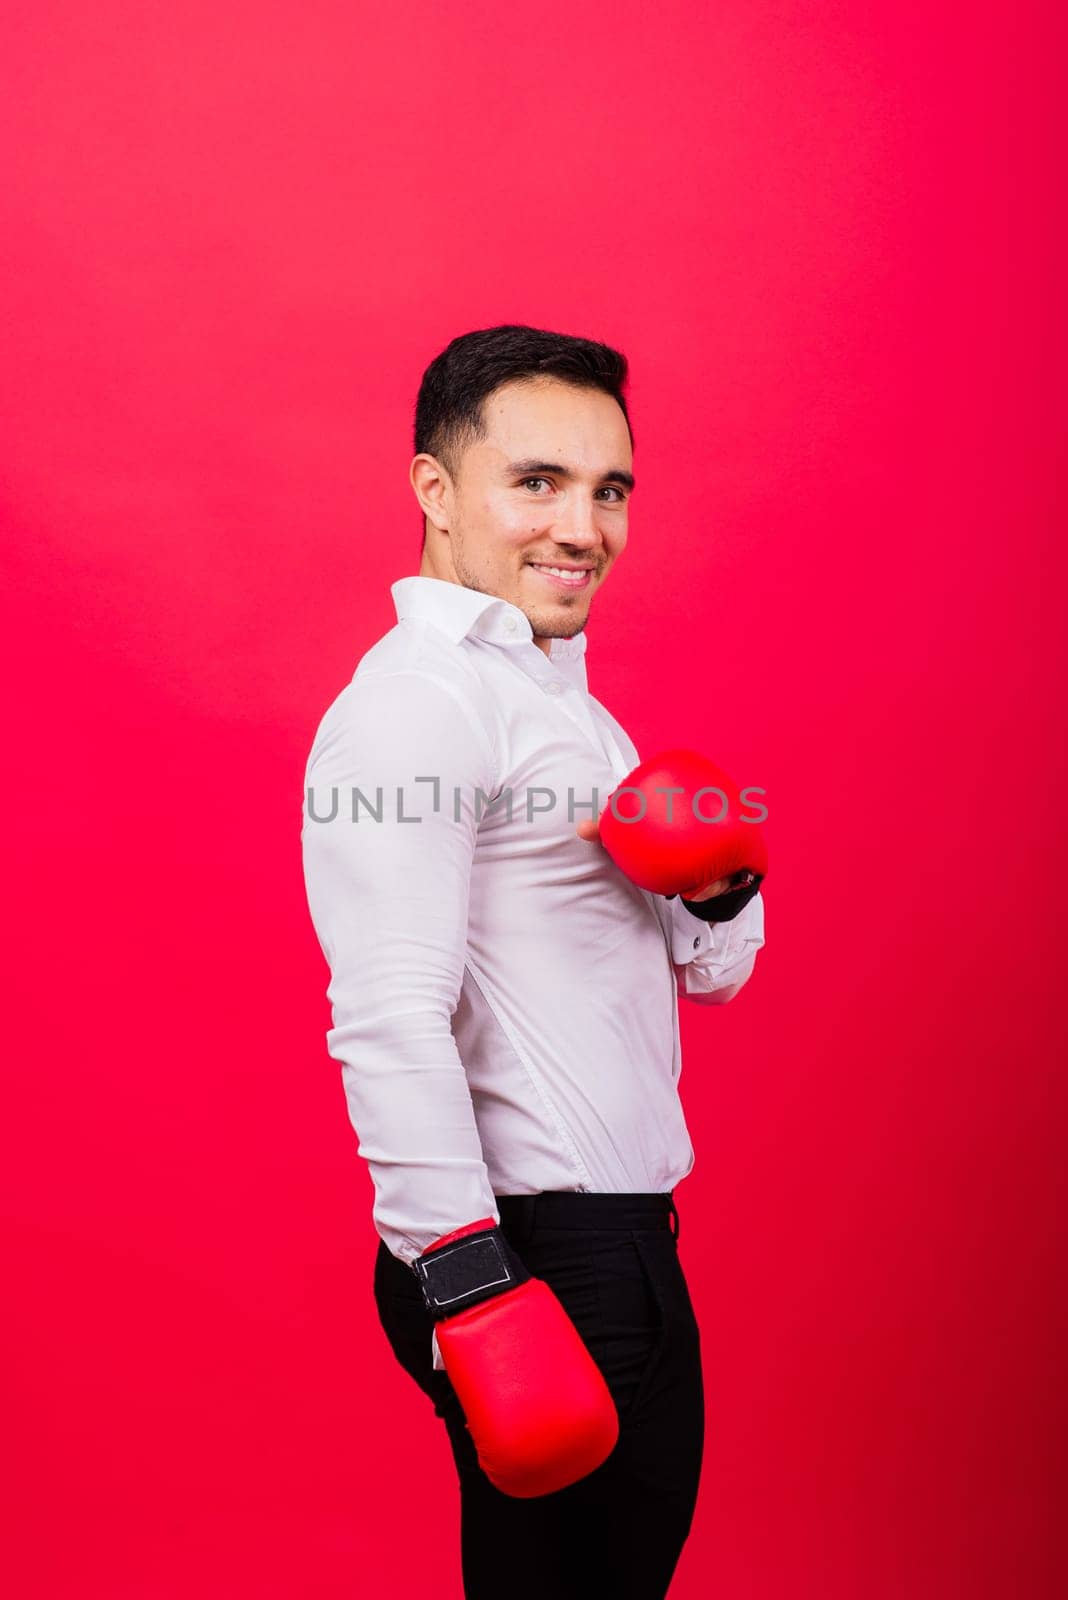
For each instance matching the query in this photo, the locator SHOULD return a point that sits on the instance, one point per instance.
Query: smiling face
(548, 488)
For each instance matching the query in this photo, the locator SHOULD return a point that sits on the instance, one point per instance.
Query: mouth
(570, 578)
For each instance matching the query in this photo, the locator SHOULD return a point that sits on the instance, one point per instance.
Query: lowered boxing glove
(536, 1404)
(676, 824)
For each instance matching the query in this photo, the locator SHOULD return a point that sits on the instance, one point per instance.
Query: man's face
(541, 490)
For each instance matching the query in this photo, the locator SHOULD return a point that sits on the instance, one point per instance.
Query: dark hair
(448, 409)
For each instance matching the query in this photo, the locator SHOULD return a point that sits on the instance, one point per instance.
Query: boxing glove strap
(724, 907)
(468, 1271)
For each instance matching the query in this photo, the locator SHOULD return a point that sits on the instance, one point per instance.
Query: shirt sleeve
(713, 960)
(406, 755)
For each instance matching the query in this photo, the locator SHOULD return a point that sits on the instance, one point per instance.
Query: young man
(504, 999)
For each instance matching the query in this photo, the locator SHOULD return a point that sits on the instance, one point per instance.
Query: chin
(557, 627)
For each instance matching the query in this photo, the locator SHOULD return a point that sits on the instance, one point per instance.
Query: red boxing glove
(676, 824)
(536, 1403)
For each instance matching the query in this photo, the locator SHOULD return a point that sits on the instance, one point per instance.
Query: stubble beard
(564, 623)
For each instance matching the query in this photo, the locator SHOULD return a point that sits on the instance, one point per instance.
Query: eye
(606, 488)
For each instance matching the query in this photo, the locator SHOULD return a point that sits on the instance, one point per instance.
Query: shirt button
(554, 688)
(697, 942)
(510, 624)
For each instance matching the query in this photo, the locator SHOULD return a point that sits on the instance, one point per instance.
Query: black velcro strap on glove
(724, 907)
(469, 1270)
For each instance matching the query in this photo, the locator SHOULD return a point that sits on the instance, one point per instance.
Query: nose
(577, 528)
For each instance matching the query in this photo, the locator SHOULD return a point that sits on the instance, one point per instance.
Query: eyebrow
(527, 469)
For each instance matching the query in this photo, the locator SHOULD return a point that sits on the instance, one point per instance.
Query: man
(504, 999)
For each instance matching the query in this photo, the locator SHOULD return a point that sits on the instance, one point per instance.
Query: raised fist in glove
(677, 825)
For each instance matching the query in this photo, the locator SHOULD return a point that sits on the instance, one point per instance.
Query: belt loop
(675, 1214)
(523, 1225)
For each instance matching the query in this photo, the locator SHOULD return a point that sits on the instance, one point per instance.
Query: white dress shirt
(504, 999)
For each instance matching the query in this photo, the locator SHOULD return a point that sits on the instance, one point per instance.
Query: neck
(429, 568)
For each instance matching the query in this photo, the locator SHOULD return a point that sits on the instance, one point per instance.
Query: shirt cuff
(691, 939)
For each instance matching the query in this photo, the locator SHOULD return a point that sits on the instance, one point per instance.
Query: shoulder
(416, 688)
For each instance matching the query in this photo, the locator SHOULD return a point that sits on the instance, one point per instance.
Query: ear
(432, 487)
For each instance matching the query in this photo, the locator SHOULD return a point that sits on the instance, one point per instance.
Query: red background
(828, 238)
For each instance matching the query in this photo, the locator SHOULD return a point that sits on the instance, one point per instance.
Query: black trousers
(613, 1261)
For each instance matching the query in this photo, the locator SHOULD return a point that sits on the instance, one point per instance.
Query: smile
(563, 577)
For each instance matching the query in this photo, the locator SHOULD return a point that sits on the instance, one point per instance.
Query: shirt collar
(463, 613)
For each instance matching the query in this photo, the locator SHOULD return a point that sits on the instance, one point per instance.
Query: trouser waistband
(574, 1208)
